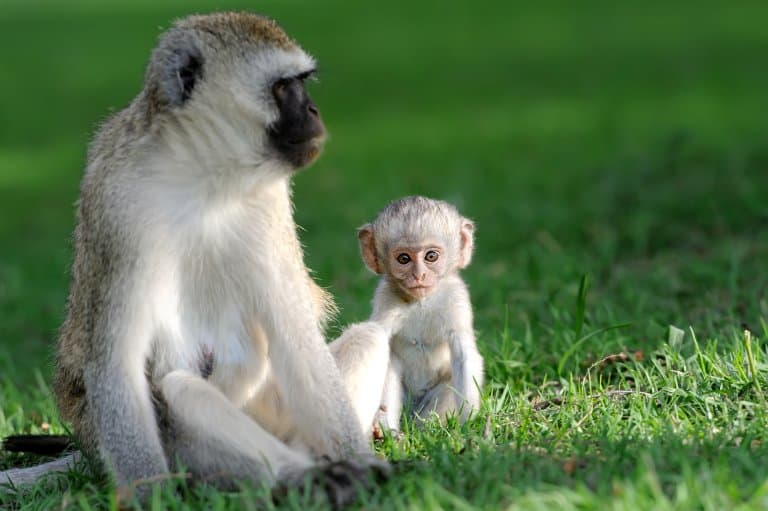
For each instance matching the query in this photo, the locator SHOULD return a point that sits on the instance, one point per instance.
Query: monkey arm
(467, 371)
(362, 355)
(305, 370)
(325, 307)
(393, 395)
(118, 399)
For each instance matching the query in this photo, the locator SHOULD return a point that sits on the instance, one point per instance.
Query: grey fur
(23, 476)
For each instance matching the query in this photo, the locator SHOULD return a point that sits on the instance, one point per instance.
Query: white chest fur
(422, 346)
(206, 289)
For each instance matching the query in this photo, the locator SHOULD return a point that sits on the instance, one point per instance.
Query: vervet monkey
(419, 245)
(192, 336)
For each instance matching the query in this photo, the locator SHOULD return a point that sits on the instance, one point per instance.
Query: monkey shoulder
(117, 138)
(453, 305)
(455, 287)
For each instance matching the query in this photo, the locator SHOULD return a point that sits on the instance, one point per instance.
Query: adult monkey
(192, 335)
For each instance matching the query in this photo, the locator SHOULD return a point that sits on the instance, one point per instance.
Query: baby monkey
(419, 245)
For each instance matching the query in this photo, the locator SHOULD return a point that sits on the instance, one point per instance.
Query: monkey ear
(179, 68)
(368, 248)
(466, 243)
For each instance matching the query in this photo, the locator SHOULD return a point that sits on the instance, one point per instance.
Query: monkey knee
(173, 384)
(368, 330)
(362, 340)
(182, 389)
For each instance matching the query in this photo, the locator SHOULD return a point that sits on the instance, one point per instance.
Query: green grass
(618, 142)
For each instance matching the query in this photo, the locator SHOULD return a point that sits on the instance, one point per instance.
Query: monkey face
(234, 84)
(417, 270)
(298, 134)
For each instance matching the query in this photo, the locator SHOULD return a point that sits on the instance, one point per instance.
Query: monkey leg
(216, 441)
(392, 400)
(362, 356)
(219, 444)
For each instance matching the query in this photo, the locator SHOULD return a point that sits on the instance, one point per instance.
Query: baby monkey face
(417, 269)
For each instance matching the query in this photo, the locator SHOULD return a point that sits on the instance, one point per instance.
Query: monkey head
(231, 88)
(415, 242)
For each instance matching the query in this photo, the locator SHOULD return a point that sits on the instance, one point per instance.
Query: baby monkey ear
(466, 242)
(368, 248)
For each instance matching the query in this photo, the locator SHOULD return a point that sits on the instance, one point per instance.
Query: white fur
(206, 409)
(202, 203)
(227, 277)
(361, 353)
(430, 337)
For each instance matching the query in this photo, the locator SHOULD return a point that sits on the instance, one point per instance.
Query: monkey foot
(378, 433)
(340, 481)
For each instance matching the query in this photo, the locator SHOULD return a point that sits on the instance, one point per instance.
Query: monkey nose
(312, 109)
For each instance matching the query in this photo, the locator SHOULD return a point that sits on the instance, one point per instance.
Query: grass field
(615, 159)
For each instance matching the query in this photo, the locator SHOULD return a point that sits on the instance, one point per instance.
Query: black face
(298, 133)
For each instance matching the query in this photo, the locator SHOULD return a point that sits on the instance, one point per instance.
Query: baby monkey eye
(431, 256)
(403, 258)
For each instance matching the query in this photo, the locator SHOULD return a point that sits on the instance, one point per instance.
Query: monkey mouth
(420, 290)
(300, 153)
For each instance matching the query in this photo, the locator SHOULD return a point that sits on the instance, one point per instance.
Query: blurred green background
(622, 141)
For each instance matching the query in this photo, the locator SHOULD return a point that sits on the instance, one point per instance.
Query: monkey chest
(425, 360)
(207, 327)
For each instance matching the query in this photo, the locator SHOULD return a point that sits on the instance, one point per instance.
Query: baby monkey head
(232, 87)
(415, 242)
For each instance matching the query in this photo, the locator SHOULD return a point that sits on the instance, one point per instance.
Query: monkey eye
(431, 256)
(403, 258)
(279, 87)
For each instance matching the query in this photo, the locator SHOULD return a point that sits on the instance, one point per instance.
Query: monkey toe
(340, 482)
(344, 481)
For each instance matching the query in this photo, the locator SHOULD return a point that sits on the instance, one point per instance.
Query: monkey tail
(28, 475)
(43, 445)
